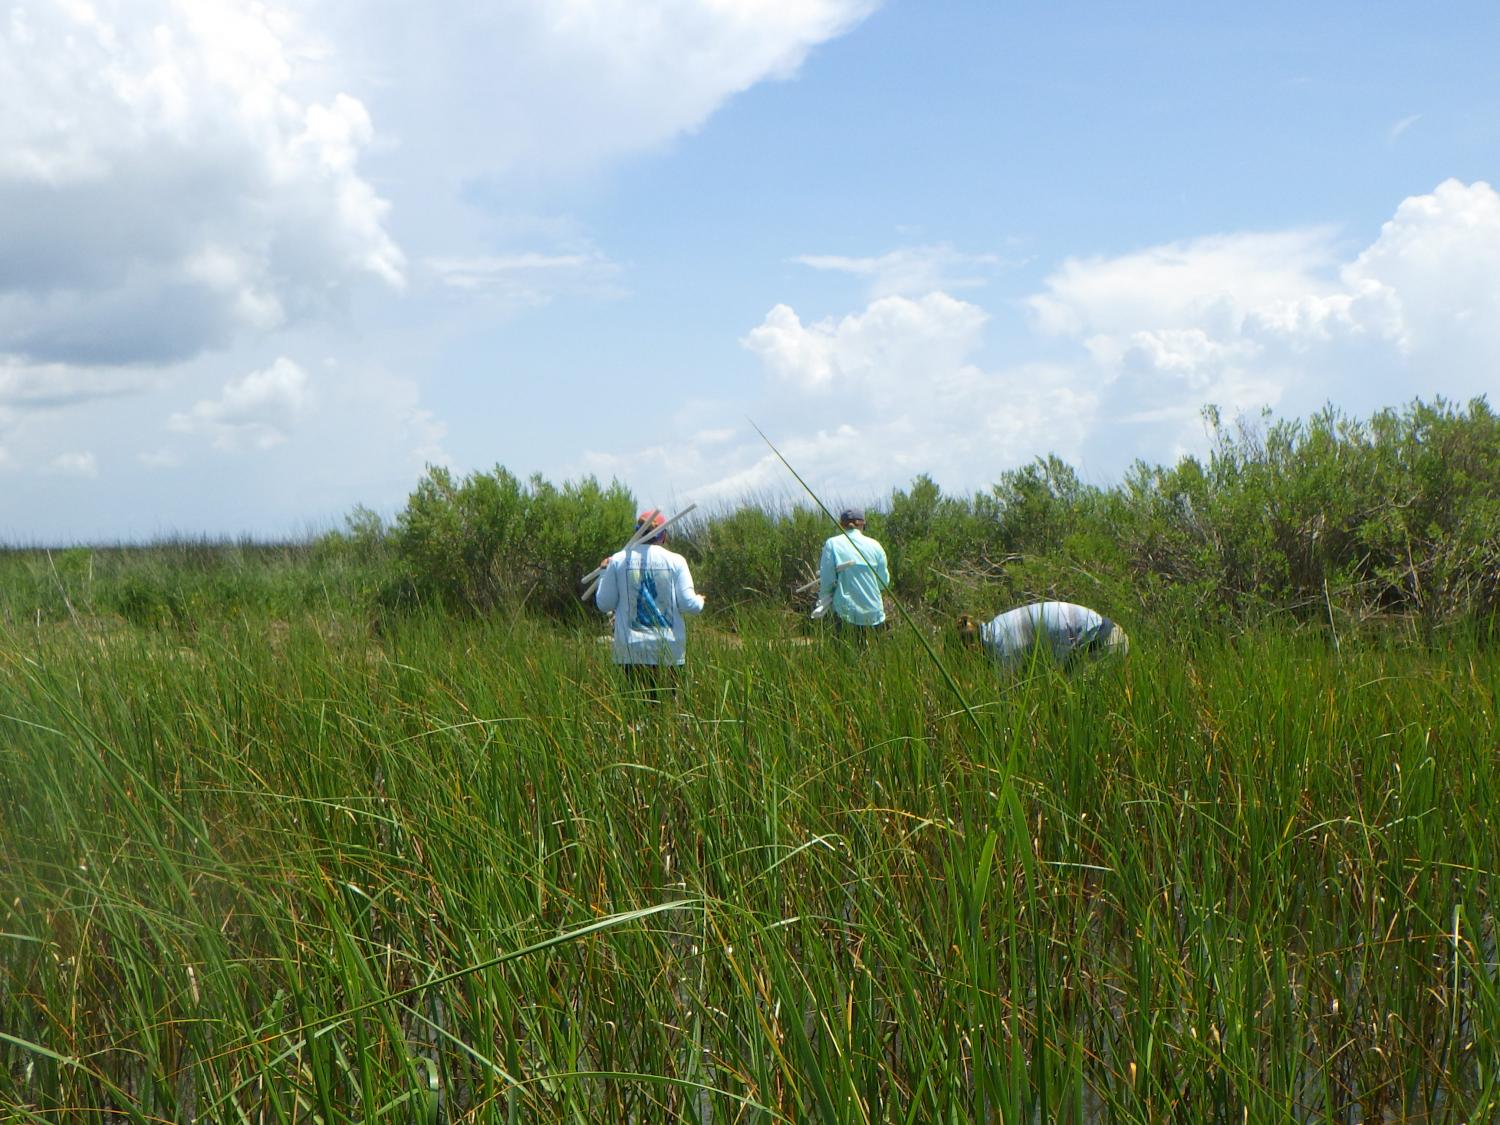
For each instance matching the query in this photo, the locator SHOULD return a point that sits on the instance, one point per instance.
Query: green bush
(489, 541)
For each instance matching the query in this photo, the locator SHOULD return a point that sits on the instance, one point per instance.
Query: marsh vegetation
(279, 845)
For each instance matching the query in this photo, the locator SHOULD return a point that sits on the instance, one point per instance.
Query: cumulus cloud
(167, 183)
(364, 420)
(1431, 281)
(553, 86)
(258, 411)
(892, 343)
(182, 179)
(354, 433)
(904, 395)
(1289, 319)
(870, 400)
(519, 96)
(1208, 281)
(1283, 319)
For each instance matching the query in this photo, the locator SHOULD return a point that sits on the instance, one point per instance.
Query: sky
(262, 262)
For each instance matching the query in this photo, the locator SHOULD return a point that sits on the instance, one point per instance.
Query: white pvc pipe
(806, 586)
(640, 535)
(635, 539)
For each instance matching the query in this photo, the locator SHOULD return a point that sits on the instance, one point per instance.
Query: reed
(455, 872)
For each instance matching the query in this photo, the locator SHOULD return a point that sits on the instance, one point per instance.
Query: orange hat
(652, 518)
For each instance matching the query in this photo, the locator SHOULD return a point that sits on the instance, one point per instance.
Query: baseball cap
(849, 515)
(650, 518)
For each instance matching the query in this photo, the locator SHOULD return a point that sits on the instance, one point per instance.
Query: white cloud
(353, 433)
(159, 459)
(383, 433)
(73, 465)
(166, 182)
(258, 410)
(913, 270)
(1395, 132)
(1209, 282)
(360, 421)
(531, 279)
(1432, 278)
(180, 178)
(518, 97)
(539, 87)
(870, 400)
(1287, 319)
(51, 386)
(893, 342)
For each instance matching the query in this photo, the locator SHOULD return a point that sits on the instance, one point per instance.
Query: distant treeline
(1330, 519)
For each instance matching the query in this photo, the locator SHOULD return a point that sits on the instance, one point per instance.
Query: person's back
(1060, 628)
(853, 574)
(650, 589)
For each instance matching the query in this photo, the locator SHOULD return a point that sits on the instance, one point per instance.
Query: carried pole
(640, 535)
(806, 586)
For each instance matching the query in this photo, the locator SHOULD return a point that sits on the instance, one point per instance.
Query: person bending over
(1061, 631)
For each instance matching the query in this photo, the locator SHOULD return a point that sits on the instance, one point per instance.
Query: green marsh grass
(271, 872)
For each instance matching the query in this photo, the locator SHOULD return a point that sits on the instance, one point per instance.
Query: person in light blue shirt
(852, 574)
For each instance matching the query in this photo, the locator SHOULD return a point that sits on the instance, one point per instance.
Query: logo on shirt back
(648, 614)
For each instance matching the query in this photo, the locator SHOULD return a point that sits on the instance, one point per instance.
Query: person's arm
(882, 569)
(827, 577)
(607, 596)
(688, 599)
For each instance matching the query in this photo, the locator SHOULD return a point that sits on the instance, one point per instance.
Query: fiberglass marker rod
(635, 539)
(806, 586)
(901, 609)
(591, 579)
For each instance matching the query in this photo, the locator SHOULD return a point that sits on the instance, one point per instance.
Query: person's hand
(604, 562)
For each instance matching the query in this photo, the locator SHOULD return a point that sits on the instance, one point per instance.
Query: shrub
(490, 541)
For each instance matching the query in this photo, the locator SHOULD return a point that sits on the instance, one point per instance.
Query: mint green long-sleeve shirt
(852, 572)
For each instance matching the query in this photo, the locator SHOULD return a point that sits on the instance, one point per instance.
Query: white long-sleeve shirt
(650, 590)
(1064, 628)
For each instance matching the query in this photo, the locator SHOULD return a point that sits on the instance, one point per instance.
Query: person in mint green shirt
(852, 573)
